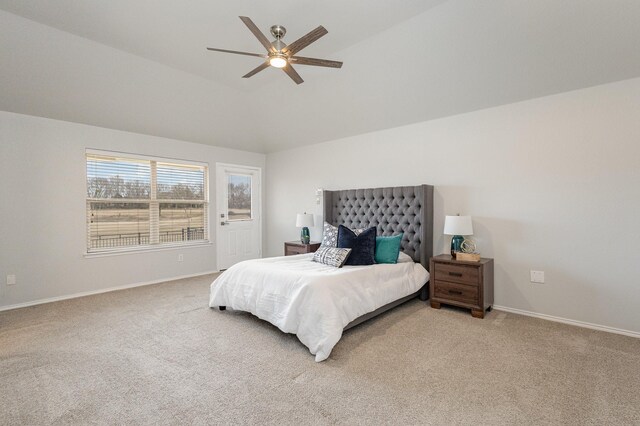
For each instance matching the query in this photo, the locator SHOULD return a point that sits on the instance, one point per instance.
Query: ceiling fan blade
(292, 73)
(237, 52)
(305, 40)
(256, 32)
(256, 70)
(299, 60)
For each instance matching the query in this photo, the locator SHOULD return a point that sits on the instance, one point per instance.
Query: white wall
(552, 184)
(42, 209)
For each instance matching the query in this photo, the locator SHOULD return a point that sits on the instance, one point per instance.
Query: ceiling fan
(281, 55)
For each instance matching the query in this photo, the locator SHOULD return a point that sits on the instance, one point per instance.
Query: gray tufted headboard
(407, 209)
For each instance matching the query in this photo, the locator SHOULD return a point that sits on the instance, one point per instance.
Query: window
(135, 201)
(239, 193)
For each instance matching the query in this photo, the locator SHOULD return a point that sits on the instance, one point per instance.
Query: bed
(318, 302)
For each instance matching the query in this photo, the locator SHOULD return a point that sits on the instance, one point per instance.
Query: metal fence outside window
(136, 239)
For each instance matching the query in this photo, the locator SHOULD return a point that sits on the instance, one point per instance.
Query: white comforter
(312, 300)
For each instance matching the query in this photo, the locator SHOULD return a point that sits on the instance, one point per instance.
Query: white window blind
(144, 202)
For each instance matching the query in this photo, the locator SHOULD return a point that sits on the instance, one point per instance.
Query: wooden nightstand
(464, 284)
(296, 247)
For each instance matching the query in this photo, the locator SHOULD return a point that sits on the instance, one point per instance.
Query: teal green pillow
(388, 249)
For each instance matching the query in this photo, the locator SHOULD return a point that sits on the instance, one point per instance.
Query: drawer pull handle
(456, 274)
(458, 292)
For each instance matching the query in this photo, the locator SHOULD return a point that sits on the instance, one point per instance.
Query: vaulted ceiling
(142, 66)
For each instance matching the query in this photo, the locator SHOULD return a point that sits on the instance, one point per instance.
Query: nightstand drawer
(295, 247)
(457, 273)
(459, 292)
(290, 250)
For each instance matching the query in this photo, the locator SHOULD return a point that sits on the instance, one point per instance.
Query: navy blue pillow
(363, 245)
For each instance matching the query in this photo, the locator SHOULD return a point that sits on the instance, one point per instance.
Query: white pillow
(404, 258)
(329, 235)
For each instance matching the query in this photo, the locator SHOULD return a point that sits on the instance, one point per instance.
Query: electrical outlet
(11, 280)
(180, 258)
(537, 277)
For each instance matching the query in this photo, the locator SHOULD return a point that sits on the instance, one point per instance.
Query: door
(238, 217)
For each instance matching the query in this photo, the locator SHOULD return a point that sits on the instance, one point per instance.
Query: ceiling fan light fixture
(279, 54)
(277, 62)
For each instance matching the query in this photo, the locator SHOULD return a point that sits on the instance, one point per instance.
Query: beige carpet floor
(159, 355)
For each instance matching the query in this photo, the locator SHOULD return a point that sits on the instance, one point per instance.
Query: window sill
(147, 249)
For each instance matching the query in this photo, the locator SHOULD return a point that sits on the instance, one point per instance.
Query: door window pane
(239, 197)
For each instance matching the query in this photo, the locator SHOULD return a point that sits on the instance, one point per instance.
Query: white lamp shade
(304, 219)
(458, 225)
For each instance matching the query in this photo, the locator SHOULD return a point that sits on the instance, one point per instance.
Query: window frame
(154, 240)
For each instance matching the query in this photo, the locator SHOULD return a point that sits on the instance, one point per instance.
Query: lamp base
(305, 236)
(456, 244)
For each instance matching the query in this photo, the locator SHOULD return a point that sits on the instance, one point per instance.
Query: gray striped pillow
(332, 256)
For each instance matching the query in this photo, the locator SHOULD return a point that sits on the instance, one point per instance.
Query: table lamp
(304, 221)
(457, 226)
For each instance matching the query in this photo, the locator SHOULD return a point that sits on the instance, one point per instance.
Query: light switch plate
(537, 277)
(11, 280)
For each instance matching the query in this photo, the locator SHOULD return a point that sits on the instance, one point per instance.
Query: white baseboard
(569, 321)
(104, 290)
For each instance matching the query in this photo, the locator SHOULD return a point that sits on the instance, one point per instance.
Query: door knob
(224, 223)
